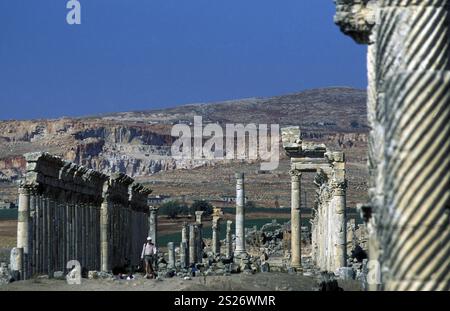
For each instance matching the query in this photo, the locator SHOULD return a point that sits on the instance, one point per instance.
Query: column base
(240, 254)
(297, 267)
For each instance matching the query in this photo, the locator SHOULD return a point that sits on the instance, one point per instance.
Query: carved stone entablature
(139, 197)
(294, 147)
(116, 188)
(55, 177)
(356, 18)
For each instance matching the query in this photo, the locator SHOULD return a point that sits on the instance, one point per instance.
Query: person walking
(148, 255)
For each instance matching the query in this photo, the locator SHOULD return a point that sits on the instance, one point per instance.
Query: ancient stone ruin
(68, 212)
(329, 228)
(408, 64)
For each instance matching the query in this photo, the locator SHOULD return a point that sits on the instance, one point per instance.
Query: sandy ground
(235, 282)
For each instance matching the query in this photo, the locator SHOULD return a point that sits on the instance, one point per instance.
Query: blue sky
(144, 54)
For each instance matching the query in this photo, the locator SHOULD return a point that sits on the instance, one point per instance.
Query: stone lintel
(311, 167)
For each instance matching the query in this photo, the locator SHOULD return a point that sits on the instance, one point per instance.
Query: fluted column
(296, 231)
(240, 215)
(414, 65)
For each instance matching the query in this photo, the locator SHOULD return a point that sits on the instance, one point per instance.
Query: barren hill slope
(138, 143)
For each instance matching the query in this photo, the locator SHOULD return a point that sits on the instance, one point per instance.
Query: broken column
(215, 235)
(171, 253)
(192, 244)
(198, 217)
(229, 240)
(240, 216)
(153, 224)
(184, 246)
(199, 234)
(296, 232)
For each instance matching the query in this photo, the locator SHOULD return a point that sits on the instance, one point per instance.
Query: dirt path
(235, 282)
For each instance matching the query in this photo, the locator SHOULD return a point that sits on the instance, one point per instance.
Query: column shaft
(153, 224)
(192, 244)
(414, 67)
(104, 236)
(296, 230)
(229, 240)
(240, 215)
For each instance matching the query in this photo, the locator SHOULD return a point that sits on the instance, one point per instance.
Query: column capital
(153, 209)
(239, 175)
(339, 187)
(28, 189)
(295, 174)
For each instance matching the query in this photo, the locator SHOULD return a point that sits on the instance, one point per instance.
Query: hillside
(138, 143)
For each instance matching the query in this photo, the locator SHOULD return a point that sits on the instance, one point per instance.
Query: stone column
(198, 216)
(23, 229)
(183, 255)
(171, 252)
(313, 240)
(296, 231)
(414, 67)
(184, 245)
(215, 235)
(153, 224)
(229, 240)
(185, 233)
(240, 216)
(199, 234)
(413, 79)
(192, 244)
(339, 226)
(105, 219)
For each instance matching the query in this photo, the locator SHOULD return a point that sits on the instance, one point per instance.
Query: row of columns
(67, 212)
(329, 223)
(329, 237)
(191, 246)
(52, 232)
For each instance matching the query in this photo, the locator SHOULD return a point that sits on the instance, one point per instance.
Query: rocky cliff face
(138, 143)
